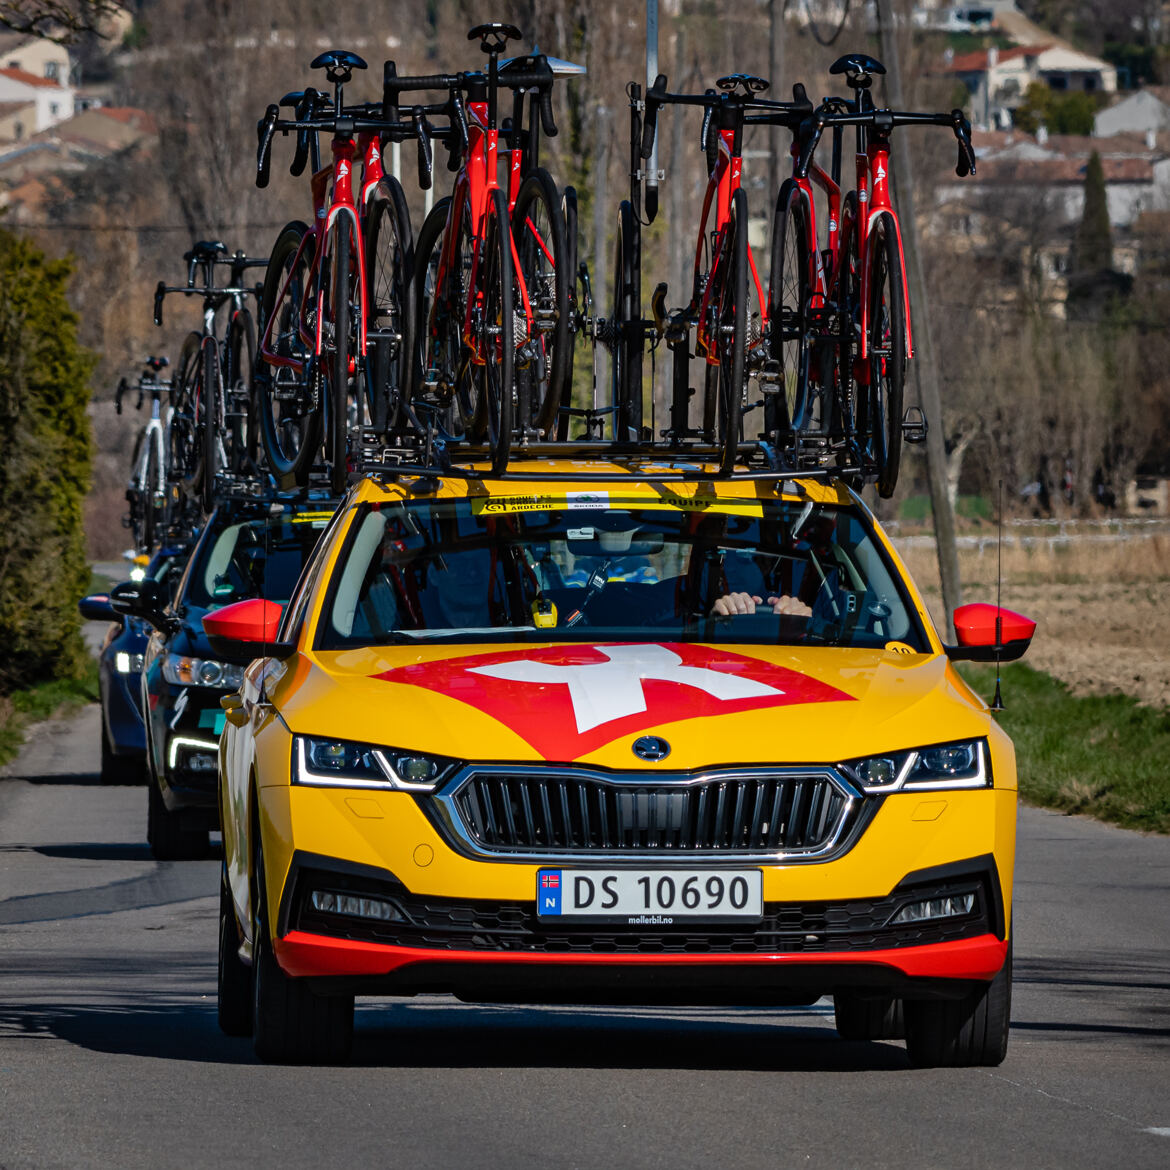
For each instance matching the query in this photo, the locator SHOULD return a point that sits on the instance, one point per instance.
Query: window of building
(53, 108)
(52, 70)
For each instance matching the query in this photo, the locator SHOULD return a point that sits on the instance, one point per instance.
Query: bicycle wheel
(569, 214)
(846, 385)
(287, 389)
(626, 322)
(729, 307)
(242, 436)
(439, 390)
(185, 441)
(538, 228)
(492, 361)
(150, 511)
(343, 368)
(882, 425)
(390, 303)
(213, 456)
(788, 306)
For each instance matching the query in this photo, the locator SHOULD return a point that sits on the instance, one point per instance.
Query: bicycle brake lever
(160, 291)
(425, 157)
(265, 129)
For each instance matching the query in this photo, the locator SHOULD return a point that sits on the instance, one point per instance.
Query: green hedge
(45, 457)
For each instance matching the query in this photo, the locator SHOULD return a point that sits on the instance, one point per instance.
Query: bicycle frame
(871, 184)
(478, 177)
(722, 183)
(332, 192)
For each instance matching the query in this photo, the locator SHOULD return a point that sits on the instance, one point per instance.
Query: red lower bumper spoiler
(303, 954)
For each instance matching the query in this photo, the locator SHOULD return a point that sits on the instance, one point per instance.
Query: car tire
(234, 985)
(171, 835)
(291, 1024)
(868, 1018)
(120, 769)
(962, 1033)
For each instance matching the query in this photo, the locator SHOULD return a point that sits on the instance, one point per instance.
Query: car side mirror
(146, 599)
(988, 633)
(246, 630)
(97, 608)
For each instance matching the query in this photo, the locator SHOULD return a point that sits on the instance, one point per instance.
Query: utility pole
(924, 365)
(599, 276)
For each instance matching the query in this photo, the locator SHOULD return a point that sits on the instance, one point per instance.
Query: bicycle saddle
(500, 35)
(157, 363)
(750, 84)
(338, 64)
(206, 250)
(857, 68)
(559, 67)
(292, 99)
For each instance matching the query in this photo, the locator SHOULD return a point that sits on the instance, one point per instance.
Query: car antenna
(997, 701)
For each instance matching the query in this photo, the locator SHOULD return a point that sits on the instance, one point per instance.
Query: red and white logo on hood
(567, 701)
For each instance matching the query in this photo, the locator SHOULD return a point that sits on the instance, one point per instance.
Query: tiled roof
(1046, 172)
(977, 62)
(29, 78)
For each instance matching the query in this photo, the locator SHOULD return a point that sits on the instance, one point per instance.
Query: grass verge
(1102, 755)
(43, 701)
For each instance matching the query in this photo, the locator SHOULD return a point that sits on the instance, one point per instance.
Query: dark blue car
(247, 549)
(120, 673)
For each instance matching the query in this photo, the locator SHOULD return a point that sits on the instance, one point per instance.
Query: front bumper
(186, 733)
(469, 925)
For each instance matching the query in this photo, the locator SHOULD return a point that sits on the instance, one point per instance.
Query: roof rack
(660, 462)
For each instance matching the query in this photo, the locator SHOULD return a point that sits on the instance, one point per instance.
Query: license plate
(657, 897)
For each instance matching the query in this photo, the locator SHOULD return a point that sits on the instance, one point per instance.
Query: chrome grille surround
(573, 814)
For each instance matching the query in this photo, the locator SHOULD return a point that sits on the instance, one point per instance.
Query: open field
(1100, 593)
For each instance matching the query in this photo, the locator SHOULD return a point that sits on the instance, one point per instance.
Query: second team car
(123, 743)
(655, 742)
(247, 549)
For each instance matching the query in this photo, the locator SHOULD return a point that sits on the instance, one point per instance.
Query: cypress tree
(1094, 242)
(45, 458)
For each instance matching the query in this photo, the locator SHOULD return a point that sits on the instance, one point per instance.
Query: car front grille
(555, 812)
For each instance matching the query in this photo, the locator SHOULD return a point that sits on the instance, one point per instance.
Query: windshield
(556, 569)
(255, 557)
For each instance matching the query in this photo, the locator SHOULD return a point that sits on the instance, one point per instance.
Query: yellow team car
(639, 741)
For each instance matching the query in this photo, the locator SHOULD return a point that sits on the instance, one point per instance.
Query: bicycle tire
(341, 401)
(440, 386)
(149, 516)
(538, 229)
(569, 214)
(886, 352)
(492, 363)
(729, 299)
(390, 303)
(239, 401)
(184, 434)
(788, 322)
(626, 321)
(212, 421)
(846, 389)
(290, 414)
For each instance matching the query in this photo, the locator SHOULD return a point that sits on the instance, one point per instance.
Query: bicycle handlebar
(772, 113)
(884, 122)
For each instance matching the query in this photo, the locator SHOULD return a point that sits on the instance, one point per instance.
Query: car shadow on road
(186, 1032)
(473, 1037)
(77, 779)
(446, 1034)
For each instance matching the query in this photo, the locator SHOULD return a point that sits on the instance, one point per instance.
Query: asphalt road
(110, 1054)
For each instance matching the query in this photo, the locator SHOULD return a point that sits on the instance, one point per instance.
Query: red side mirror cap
(246, 630)
(980, 640)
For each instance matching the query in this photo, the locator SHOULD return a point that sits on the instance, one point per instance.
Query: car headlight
(945, 765)
(342, 763)
(180, 670)
(127, 663)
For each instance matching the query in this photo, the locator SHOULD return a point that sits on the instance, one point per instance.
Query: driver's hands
(731, 604)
